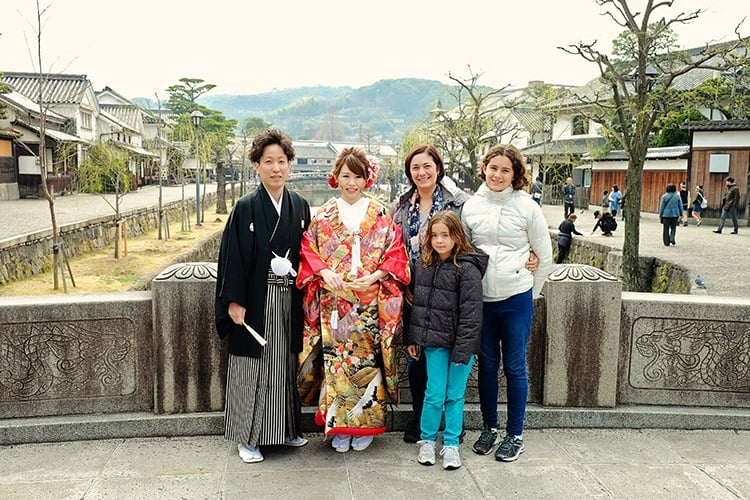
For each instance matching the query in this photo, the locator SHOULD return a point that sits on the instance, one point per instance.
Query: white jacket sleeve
(541, 244)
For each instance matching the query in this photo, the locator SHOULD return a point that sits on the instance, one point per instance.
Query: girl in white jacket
(503, 220)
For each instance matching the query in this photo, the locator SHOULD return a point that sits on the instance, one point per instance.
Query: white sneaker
(451, 458)
(341, 443)
(360, 443)
(426, 452)
(296, 442)
(249, 454)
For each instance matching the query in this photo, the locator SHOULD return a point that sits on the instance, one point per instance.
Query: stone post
(583, 337)
(190, 361)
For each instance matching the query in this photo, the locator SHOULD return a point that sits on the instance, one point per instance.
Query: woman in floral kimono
(353, 269)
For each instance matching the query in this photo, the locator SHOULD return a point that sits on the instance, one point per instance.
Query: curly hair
(521, 178)
(269, 137)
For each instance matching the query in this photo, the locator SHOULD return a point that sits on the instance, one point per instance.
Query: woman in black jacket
(567, 229)
(446, 322)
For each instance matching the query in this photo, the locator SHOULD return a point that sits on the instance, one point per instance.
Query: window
(718, 163)
(86, 120)
(580, 125)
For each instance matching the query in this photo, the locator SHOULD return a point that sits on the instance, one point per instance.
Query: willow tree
(104, 171)
(639, 84)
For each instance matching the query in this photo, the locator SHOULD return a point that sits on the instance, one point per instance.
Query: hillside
(383, 110)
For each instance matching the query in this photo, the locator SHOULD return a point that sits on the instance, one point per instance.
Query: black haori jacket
(447, 309)
(245, 258)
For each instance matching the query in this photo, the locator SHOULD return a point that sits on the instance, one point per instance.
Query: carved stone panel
(679, 351)
(75, 354)
(687, 354)
(49, 360)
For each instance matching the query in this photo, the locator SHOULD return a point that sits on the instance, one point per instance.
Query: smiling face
(441, 241)
(350, 184)
(273, 169)
(424, 172)
(498, 173)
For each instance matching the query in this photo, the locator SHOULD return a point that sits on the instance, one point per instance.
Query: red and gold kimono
(355, 331)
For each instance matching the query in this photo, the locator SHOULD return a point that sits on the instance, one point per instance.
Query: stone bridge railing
(156, 353)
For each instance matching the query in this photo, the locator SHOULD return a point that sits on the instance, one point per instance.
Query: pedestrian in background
(699, 203)
(569, 197)
(502, 220)
(685, 198)
(670, 212)
(255, 290)
(614, 200)
(567, 229)
(605, 201)
(445, 329)
(537, 188)
(605, 222)
(729, 206)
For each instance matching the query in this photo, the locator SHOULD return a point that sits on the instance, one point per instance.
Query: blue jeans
(731, 212)
(506, 328)
(446, 386)
(669, 230)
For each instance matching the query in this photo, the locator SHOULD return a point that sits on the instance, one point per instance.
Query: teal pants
(446, 386)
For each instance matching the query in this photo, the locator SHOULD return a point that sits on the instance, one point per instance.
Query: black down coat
(447, 308)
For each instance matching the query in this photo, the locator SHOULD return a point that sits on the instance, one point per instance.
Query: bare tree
(48, 195)
(634, 95)
(481, 118)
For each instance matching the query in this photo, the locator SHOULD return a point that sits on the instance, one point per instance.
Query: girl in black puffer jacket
(446, 322)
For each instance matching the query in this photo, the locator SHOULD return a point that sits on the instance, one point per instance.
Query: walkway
(558, 463)
(722, 260)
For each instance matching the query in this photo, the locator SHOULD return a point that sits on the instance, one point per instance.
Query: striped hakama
(262, 404)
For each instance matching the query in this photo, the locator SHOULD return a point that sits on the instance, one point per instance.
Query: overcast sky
(140, 47)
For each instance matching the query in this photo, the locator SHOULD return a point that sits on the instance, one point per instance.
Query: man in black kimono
(252, 292)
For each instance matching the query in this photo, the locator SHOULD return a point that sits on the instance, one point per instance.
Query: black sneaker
(413, 433)
(510, 449)
(486, 441)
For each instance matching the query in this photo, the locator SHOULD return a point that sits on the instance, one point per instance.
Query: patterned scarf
(416, 231)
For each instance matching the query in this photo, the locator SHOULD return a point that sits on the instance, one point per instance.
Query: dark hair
(520, 173)
(671, 188)
(700, 187)
(269, 137)
(430, 150)
(596, 213)
(355, 160)
(615, 188)
(455, 231)
(730, 179)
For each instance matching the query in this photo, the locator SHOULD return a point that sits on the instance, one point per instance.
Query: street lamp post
(197, 116)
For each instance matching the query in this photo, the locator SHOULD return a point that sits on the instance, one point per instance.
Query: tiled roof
(58, 88)
(23, 103)
(570, 146)
(651, 154)
(129, 114)
(717, 125)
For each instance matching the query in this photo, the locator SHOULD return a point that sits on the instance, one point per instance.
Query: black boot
(413, 433)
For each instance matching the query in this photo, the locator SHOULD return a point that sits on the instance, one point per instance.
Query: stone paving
(557, 463)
